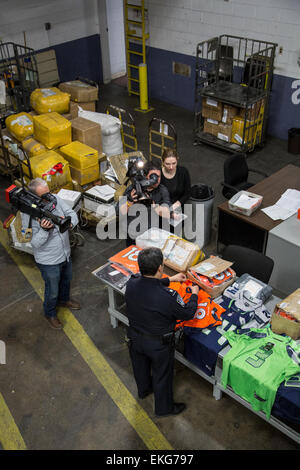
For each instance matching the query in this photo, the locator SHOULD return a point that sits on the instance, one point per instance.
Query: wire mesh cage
(233, 84)
(19, 73)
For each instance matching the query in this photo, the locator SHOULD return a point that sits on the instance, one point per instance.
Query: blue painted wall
(81, 57)
(180, 91)
(166, 86)
(283, 112)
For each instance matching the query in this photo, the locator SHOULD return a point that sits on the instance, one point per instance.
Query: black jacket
(153, 308)
(159, 195)
(179, 187)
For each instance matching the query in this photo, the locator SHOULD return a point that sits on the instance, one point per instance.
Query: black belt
(160, 337)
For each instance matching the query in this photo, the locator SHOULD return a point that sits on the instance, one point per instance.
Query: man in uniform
(152, 310)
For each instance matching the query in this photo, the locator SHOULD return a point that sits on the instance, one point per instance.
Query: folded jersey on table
(208, 311)
(258, 361)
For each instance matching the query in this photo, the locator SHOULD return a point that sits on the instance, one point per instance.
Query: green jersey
(257, 363)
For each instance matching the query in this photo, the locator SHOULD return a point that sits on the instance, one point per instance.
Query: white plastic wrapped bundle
(110, 130)
(26, 246)
(152, 237)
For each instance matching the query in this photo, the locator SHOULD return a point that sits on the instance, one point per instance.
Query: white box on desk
(69, 197)
(97, 205)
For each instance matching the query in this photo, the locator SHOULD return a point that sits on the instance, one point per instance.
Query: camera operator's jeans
(57, 279)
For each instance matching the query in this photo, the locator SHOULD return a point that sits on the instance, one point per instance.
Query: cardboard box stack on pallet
(227, 122)
(62, 148)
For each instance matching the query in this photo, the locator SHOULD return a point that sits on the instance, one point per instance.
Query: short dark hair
(151, 166)
(149, 260)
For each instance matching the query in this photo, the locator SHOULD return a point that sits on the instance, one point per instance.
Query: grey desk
(284, 248)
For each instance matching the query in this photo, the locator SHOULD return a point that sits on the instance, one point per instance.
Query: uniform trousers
(153, 367)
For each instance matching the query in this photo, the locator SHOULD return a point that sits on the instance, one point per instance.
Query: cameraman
(159, 198)
(152, 310)
(51, 250)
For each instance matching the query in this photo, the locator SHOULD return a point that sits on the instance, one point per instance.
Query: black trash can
(204, 195)
(294, 140)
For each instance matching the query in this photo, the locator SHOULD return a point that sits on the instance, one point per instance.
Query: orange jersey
(208, 312)
(283, 314)
(213, 281)
(127, 258)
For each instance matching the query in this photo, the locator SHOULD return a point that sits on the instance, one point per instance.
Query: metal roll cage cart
(18, 70)
(234, 71)
(19, 73)
(162, 135)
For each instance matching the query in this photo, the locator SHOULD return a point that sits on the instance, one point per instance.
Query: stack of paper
(245, 201)
(285, 207)
(105, 192)
(111, 175)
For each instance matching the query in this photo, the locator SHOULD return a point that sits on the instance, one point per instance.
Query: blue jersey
(202, 346)
(287, 401)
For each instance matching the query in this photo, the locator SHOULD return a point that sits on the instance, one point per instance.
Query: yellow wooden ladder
(135, 40)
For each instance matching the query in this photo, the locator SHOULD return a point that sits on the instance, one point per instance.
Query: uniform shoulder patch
(175, 294)
(171, 291)
(180, 300)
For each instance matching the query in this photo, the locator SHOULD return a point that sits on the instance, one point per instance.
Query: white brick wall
(179, 25)
(175, 25)
(70, 19)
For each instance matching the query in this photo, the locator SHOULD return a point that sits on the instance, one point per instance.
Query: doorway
(116, 39)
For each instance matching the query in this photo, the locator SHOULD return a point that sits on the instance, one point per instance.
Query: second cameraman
(159, 199)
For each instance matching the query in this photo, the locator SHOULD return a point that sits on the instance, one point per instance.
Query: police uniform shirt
(153, 308)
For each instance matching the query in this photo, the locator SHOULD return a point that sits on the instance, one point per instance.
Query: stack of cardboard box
(245, 123)
(218, 118)
(81, 94)
(227, 122)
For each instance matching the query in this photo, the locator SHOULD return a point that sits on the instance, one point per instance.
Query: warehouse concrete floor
(64, 389)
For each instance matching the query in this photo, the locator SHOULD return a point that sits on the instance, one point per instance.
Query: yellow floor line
(133, 412)
(10, 436)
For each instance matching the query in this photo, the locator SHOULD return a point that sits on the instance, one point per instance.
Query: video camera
(35, 206)
(140, 183)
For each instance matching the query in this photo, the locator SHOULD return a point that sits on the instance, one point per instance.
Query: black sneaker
(177, 408)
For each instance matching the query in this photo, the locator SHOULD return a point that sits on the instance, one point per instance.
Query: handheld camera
(140, 183)
(37, 207)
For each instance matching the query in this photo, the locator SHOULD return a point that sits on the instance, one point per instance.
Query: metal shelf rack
(234, 72)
